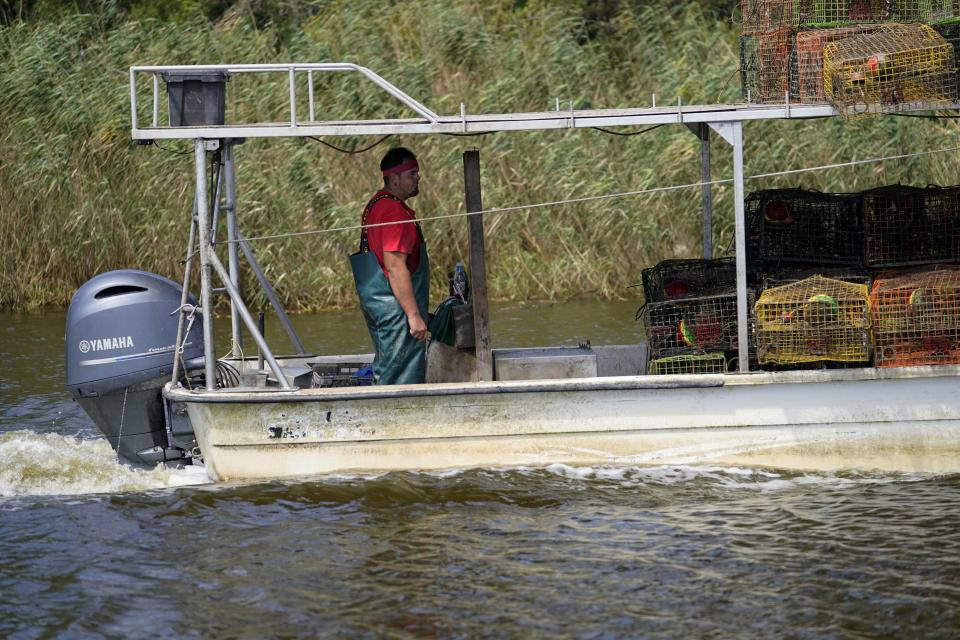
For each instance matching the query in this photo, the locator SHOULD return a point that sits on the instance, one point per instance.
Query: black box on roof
(196, 98)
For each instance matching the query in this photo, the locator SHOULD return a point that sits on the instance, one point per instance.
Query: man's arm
(401, 283)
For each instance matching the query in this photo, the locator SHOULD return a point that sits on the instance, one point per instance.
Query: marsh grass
(77, 197)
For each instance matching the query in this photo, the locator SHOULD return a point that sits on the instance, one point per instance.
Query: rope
(609, 196)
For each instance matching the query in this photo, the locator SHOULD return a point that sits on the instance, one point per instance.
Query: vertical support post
(478, 266)
(706, 190)
(230, 205)
(702, 131)
(206, 297)
(743, 339)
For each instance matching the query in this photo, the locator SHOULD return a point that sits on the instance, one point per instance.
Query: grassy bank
(78, 198)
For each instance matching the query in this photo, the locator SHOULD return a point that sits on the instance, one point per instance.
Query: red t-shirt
(395, 237)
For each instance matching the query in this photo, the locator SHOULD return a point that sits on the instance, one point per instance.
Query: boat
(131, 337)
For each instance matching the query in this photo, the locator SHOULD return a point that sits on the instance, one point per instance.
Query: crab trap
(340, 374)
(916, 318)
(897, 67)
(687, 361)
(813, 320)
(798, 226)
(764, 16)
(685, 278)
(911, 225)
(765, 65)
(821, 13)
(785, 273)
(707, 323)
(806, 74)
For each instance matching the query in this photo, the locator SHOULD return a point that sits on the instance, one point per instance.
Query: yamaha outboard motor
(121, 340)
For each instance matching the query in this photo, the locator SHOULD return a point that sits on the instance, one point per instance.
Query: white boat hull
(897, 419)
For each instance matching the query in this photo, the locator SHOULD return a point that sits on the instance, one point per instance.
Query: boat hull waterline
(890, 420)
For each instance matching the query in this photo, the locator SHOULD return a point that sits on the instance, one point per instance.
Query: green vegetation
(77, 197)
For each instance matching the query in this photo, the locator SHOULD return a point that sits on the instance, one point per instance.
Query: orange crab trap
(806, 82)
(765, 65)
(815, 319)
(911, 225)
(916, 318)
(897, 67)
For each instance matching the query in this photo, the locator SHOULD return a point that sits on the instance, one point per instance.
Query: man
(392, 274)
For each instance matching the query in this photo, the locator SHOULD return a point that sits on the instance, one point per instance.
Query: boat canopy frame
(726, 120)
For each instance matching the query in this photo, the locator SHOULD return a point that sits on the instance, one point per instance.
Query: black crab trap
(798, 226)
(785, 273)
(706, 324)
(916, 318)
(688, 277)
(897, 67)
(340, 374)
(815, 319)
(906, 225)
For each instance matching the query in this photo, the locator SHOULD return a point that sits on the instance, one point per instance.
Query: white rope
(609, 196)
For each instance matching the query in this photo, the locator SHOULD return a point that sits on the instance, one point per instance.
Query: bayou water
(92, 549)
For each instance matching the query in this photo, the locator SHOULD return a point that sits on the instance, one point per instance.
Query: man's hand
(402, 285)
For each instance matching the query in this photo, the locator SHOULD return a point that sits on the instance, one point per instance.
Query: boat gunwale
(258, 395)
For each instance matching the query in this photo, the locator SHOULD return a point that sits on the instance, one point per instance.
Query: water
(90, 549)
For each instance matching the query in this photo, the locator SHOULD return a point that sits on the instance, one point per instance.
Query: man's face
(408, 183)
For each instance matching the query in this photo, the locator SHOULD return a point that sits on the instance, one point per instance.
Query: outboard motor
(121, 340)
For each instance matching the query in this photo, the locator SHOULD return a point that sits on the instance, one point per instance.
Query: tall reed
(77, 197)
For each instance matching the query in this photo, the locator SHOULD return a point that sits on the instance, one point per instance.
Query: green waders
(400, 358)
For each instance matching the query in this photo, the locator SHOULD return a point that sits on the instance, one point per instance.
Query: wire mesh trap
(806, 69)
(916, 318)
(707, 323)
(765, 65)
(793, 225)
(897, 67)
(340, 374)
(786, 273)
(687, 361)
(911, 225)
(686, 278)
(812, 320)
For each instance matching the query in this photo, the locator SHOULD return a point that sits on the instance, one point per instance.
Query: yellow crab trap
(826, 13)
(798, 226)
(916, 318)
(897, 67)
(687, 361)
(806, 77)
(707, 323)
(686, 278)
(815, 319)
(765, 65)
(911, 225)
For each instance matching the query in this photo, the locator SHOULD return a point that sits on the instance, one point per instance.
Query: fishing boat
(131, 336)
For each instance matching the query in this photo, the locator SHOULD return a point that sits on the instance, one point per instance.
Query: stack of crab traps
(833, 280)
(864, 57)
(690, 315)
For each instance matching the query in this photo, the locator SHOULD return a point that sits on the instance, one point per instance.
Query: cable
(610, 196)
(628, 133)
(348, 151)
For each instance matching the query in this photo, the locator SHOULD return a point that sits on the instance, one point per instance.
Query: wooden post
(478, 266)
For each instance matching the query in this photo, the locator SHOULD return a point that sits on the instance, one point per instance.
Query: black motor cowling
(120, 346)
